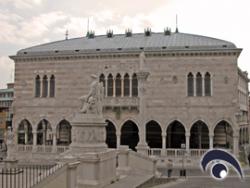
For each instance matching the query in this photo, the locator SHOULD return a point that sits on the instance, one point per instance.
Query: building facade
(6, 99)
(163, 92)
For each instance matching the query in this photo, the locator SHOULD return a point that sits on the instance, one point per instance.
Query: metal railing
(26, 176)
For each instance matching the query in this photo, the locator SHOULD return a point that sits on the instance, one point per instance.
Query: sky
(25, 23)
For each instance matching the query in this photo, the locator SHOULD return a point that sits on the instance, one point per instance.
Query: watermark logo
(219, 160)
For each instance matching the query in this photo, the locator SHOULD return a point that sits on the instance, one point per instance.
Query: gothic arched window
(38, 86)
(207, 84)
(118, 83)
(45, 86)
(126, 85)
(110, 85)
(134, 86)
(190, 83)
(198, 84)
(52, 86)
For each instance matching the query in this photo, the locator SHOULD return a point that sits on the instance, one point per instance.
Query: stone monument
(97, 163)
(142, 75)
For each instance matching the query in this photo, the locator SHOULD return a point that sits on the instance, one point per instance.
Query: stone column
(194, 84)
(34, 140)
(236, 145)
(54, 140)
(25, 137)
(142, 145)
(211, 141)
(203, 85)
(114, 87)
(122, 87)
(130, 86)
(106, 87)
(164, 139)
(48, 90)
(118, 139)
(187, 141)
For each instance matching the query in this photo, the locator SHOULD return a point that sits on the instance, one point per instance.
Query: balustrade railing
(176, 152)
(42, 148)
(26, 176)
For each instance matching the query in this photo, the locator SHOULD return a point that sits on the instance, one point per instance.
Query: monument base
(88, 133)
(97, 166)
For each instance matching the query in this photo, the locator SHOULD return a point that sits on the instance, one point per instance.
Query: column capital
(163, 134)
(211, 135)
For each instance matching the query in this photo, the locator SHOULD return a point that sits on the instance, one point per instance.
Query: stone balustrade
(42, 148)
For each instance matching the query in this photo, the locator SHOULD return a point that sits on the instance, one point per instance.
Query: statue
(92, 103)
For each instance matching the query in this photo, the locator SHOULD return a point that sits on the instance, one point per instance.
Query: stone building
(163, 92)
(6, 99)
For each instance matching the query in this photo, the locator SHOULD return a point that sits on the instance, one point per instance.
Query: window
(118, 85)
(126, 85)
(198, 84)
(134, 86)
(190, 83)
(110, 85)
(45, 86)
(37, 86)
(52, 86)
(207, 84)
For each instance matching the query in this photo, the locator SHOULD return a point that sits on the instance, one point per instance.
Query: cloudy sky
(25, 23)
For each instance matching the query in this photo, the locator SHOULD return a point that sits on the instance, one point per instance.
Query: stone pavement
(197, 179)
(130, 181)
(208, 182)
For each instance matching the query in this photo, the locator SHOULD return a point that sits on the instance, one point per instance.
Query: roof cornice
(66, 55)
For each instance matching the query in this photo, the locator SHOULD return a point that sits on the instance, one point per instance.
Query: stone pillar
(114, 87)
(122, 87)
(72, 175)
(106, 87)
(34, 138)
(236, 145)
(203, 85)
(48, 90)
(194, 84)
(142, 145)
(26, 137)
(187, 141)
(130, 86)
(211, 141)
(118, 139)
(54, 140)
(34, 141)
(164, 140)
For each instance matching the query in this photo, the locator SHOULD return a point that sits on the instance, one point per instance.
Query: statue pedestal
(97, 164)
(88, 134)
